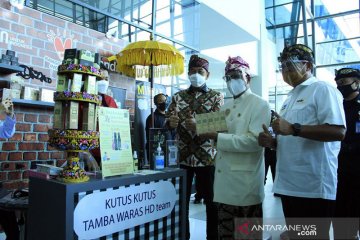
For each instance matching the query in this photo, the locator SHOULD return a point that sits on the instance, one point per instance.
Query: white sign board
(103, 213)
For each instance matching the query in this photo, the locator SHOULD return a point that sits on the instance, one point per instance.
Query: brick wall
(39, 40)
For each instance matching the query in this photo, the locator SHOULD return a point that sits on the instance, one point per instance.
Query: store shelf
(32, 103)
(7, 69)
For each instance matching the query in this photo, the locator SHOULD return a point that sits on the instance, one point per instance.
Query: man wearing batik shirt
(196, 153)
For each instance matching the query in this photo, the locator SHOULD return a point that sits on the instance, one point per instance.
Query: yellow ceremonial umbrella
(149, 53)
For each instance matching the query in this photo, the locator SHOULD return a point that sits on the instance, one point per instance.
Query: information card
(115, 142)
(211, 122)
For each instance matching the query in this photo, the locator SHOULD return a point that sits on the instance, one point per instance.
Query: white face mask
(236, 86)
(102, 86)
(197, 80)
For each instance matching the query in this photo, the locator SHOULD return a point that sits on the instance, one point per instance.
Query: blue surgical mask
(102, 86)
(197, 80)
(236, 86)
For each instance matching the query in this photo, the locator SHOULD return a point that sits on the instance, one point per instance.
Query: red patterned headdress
(235, 63)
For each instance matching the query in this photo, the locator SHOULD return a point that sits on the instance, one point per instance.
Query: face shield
(293, 70)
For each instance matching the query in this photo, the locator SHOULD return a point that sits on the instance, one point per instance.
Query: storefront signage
(5, 38)
(109, 65)
(103, 213)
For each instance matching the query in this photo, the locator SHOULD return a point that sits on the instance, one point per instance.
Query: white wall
(237, 27)
(244, 13)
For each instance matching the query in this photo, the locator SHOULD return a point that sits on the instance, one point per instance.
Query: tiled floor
(272, 211)
(271, 208)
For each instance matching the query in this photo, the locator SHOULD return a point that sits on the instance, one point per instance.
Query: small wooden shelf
(32, 103)
(7, 69)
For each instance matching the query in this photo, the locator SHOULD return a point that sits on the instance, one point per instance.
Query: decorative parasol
(149, 53)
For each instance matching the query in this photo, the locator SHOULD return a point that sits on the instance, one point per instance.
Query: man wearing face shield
(308, 129)
(240, 171)
(196, 153)
(348, 191)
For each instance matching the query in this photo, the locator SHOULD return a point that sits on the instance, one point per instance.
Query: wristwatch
(297, 129)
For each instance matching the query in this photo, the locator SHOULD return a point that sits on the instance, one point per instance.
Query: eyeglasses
(291, 64)
(234, 76)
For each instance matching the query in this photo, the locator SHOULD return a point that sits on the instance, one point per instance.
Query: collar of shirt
(246, 93)
(158, 112)
(203, 88)
(305, 83)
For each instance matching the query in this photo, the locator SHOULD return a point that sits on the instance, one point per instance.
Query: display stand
(75, 117)
(53, 204)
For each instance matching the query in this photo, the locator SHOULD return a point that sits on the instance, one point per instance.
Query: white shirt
(239, 163)
(308, 168)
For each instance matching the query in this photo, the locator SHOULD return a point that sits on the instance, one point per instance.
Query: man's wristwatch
(297, 129)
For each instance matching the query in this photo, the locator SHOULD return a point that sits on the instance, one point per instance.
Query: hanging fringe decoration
(150, 52)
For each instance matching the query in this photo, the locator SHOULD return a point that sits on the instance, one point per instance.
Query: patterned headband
(235, 63)
(347, 73)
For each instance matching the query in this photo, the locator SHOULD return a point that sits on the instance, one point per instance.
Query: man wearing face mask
(160, 101)
(348, 192)
(102, 86)
(106, 101)
(308, 129)
(196, 153)
(239, 159)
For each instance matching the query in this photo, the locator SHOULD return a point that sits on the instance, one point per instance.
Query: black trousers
(205, 176)
(347, 206)
(270, 161)
(308, 211)
(198, 194)
(9, 224)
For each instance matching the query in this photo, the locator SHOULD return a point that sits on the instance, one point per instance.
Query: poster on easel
(115, 142)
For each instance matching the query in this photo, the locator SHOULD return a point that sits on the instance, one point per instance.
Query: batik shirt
(194, 151)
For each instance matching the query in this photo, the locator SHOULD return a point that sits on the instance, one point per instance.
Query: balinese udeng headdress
(297, 52)
(347, 73)
(237, 63)
(196, 61)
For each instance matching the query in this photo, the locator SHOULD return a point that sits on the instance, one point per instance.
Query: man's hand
(174, 119)
(209, 135)
(265, 138)
(8, 107)
(281, 127)
(190, 122)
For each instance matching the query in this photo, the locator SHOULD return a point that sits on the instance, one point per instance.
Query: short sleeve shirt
(308, 168)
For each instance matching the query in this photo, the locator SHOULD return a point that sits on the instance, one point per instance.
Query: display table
(124, 207)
